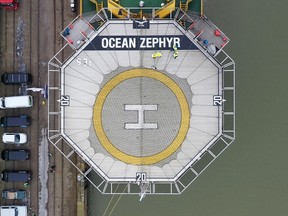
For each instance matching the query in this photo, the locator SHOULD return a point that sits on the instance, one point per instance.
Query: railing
(81, 29)
(139, 13)
(55, 119)
(227, 101)
(221, 58)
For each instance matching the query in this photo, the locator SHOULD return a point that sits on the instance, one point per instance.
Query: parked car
(15, 155)
(13, 194)
(14, 138)
(16, 102)
(16, 175)
(15, 121)
(14, 210)
(16, 78)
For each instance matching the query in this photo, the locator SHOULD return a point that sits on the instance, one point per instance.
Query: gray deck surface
(83, 81)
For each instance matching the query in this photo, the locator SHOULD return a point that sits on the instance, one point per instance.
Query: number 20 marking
(217, 100)
(65, 100)
(140, 177)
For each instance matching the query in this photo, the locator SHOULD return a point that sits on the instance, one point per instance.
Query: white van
(13, 210)
(16, 102)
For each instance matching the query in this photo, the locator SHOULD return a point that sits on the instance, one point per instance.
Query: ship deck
(195, 5)
(134, 117)
(100, 130)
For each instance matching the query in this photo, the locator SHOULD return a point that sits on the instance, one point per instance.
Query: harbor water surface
(251, 176)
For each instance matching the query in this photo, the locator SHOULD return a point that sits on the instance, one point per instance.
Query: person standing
(175, 54)
(175, 48)
(158, 54)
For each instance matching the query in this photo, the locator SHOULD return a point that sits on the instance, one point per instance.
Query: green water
(251, 177)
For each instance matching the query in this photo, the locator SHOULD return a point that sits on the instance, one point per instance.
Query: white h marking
(141, 109)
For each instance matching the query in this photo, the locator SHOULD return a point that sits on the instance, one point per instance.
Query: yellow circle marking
(145, 160)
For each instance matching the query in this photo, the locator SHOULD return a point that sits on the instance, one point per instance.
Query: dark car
(16, 175)
(16, 78)
(13, 194)
(15, 121)
(15, 155)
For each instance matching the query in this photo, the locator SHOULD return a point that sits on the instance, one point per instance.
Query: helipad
(137, 119)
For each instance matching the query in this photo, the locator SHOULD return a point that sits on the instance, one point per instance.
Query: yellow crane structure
(165, 10)
(118, 10)
(99, 6)
(184, 6)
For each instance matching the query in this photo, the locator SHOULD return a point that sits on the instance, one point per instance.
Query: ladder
(184, 6)
(99, 6)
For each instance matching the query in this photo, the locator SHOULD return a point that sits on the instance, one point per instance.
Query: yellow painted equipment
(99, 6)
(165, 10)
(119, 11)
(184, 6)
(158, 54)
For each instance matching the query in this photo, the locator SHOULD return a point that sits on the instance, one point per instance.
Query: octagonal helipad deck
(129, 118)
(137, 119)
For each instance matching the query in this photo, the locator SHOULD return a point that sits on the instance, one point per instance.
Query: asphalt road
(29, 38)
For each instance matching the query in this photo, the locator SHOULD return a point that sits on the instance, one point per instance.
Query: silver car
(14, 138)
